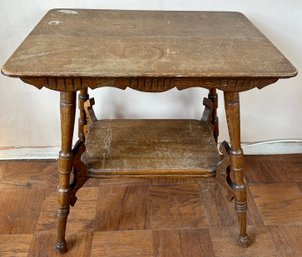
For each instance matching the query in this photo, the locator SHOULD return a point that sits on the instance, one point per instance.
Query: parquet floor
(152, 218)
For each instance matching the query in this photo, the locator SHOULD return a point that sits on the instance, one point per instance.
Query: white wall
(30, 117)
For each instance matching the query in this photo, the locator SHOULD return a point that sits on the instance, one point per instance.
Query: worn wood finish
(150, 148)
(232, 109)
(111, 44)
(67, 108)
(149, 51)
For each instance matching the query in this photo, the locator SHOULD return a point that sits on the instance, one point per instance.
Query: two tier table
(72, 50)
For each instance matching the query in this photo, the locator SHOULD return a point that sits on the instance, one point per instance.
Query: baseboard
(285, 146)
(293, 146)
(30, 153)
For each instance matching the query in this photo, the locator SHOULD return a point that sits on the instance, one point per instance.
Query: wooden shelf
(150, 148)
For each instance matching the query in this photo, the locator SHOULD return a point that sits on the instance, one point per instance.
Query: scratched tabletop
(111, 43)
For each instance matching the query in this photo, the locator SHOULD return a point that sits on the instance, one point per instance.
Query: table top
(112, 43)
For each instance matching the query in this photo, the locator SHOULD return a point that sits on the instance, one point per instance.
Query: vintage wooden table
(150, 51)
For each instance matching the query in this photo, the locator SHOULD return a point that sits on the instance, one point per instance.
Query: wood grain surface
(122, 244)
(123, 207)
(270, 201)
(109, 43)
(153, 217)
(79, 244)
(177, 206)
(15, 245)
(15, 216)
(150, 147)
(183, 243)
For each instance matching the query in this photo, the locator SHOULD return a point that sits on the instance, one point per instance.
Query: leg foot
(61, 247)
(244, 241)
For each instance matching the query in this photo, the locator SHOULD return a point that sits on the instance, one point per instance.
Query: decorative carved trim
(147, 84)
(240, 206)
(223, 171)
(90, 115)
(58, 84)
(224, 84)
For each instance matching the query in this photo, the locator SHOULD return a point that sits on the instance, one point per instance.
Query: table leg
(214, 98)
(232, 109)
(67, 110)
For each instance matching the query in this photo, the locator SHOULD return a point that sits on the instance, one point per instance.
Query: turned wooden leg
(214, 98)
(232, 109)
(83, 96)
(67, 110)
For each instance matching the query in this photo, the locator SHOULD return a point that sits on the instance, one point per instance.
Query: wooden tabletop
(110, 43)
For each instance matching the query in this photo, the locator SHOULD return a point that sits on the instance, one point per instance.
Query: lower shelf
(150, 148)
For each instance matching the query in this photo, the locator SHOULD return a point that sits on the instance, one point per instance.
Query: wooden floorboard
(123, 207)
(162, 217)
(177, 207)
(134, 243)
(16, 245)
(182, 243)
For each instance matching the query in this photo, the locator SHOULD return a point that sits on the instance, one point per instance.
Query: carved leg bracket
(90, 115)
(215, 121)
(224, 179)
(223, 173)
(80, 175)
(207, 113)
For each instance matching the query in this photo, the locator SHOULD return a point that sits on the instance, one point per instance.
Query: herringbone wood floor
(152, 218)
